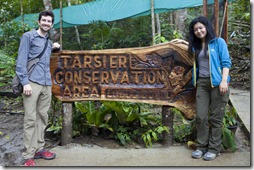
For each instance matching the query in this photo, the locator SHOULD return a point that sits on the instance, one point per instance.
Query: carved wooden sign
(158, 74)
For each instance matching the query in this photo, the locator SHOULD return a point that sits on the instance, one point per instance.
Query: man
(36, 88)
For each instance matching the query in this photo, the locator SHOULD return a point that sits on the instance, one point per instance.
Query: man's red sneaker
(45, 155)
(29, 162)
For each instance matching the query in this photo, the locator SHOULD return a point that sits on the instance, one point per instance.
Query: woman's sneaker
(210, 156)
(197, 154)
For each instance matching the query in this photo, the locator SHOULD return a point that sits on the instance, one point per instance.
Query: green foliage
(123, 134)
(126, 120)
(56, 127)
(239, 23)
(7, 66)
(228, 136)
(89, 116)
(126, 112)
(230, 117)
(151, 136)
(133, 32)
(10, 38)
(55, 116)
(183, 128)
(228, 139)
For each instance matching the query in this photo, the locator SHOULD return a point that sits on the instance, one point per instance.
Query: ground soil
(11, 121)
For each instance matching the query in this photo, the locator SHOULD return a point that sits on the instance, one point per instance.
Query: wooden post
(216, 17)
(66, 134)
(61, 25)
(225, 22)
(205, 8)
(167, 120)
(153, 22)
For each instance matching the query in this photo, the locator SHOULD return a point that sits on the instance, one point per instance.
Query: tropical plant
(89, 116)
(183, 128)
(126, 120)
(228, 135)
(153, 135)
(230, 117)
(55, 116)
(7, 65)
(123, 134)
(228, 139)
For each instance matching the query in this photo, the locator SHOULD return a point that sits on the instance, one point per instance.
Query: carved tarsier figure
(177, 66)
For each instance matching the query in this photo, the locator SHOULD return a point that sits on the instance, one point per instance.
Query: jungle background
(128, 124)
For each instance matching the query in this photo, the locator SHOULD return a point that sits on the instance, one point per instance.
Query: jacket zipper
(210, 66)
(194, 69)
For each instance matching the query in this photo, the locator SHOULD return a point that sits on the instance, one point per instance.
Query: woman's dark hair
(47, 13)
(194, 42)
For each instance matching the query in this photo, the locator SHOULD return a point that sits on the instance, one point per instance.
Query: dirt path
(11, 139)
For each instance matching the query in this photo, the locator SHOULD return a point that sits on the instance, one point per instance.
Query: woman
(211, 79)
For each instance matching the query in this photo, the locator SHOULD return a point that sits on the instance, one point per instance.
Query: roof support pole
(205, 8)
(153, 22)
(61, 25)
(216, 17)
(224, 27)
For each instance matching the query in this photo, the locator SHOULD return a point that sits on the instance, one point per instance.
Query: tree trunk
(158, 25)
(22, 14)
(47, 4)
(216, 17)
(78, 39)
(180, 17)
(76, 30)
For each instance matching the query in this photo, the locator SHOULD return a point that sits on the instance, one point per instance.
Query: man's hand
(56, 45)
(27, 90)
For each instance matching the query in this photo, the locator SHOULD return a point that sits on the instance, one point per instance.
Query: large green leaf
(228, 139)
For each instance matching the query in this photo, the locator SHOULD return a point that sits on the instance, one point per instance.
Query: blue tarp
(111, 10)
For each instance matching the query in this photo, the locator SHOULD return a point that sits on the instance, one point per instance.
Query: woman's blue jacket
(219, 58)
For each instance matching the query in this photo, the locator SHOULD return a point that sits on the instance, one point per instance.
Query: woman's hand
(223, 87)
